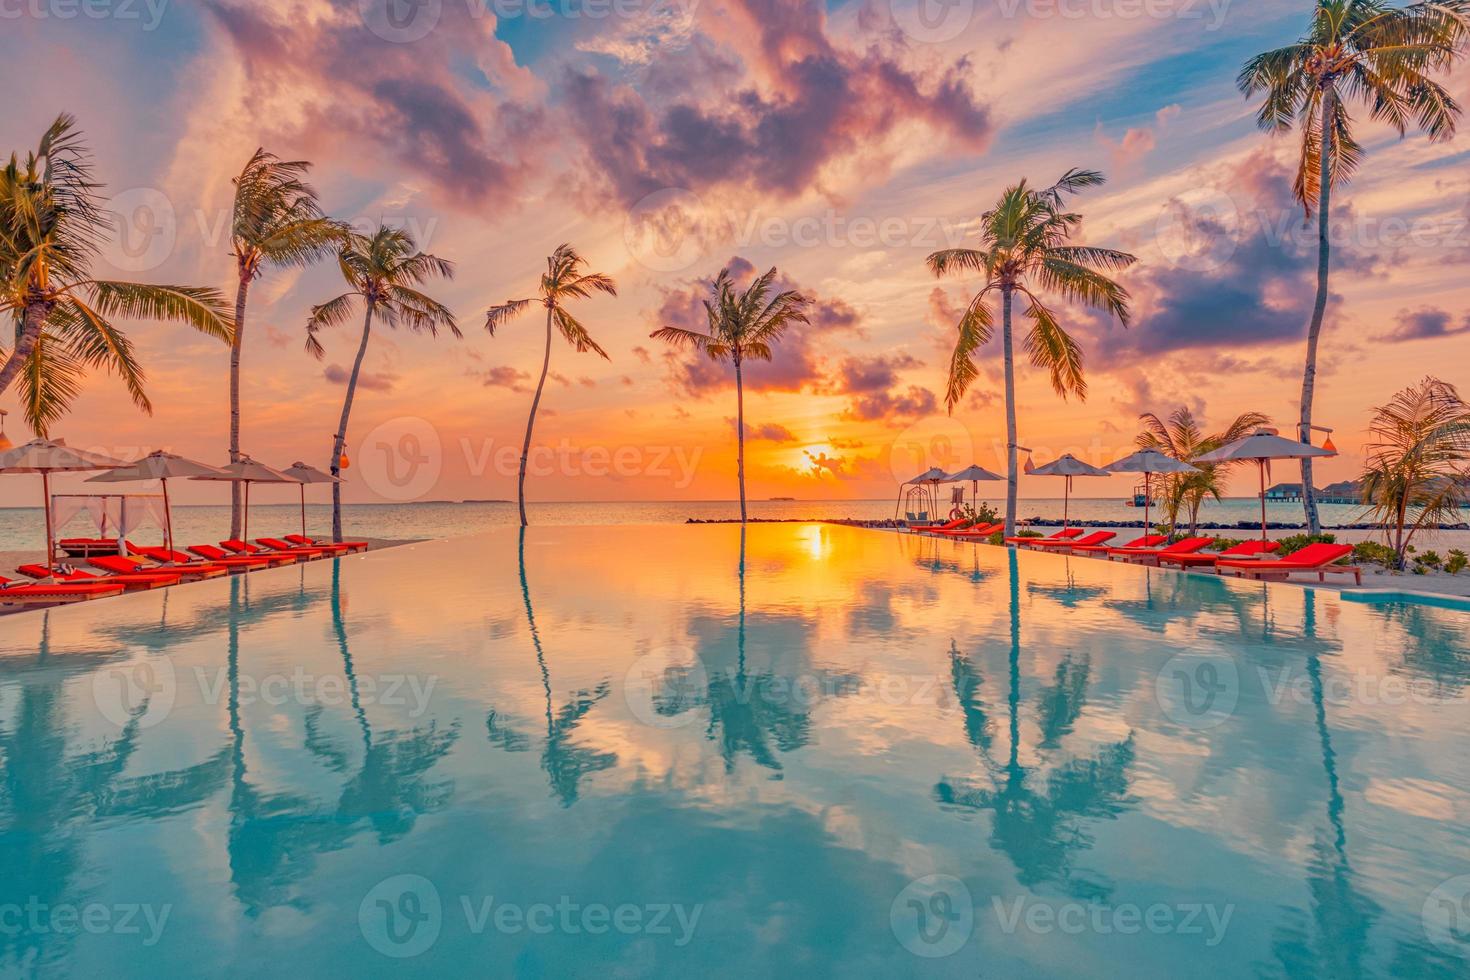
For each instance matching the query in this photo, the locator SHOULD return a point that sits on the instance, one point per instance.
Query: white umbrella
(47, 456)
(1149, 462)
(974, 474)
(247, 471)
(162, 467)
(304, 474)
(1068, 466)
(1263, 446)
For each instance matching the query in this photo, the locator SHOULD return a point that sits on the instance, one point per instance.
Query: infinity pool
(671, 751)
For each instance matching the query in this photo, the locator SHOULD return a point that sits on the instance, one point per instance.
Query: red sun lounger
(132, 582)
(87, 547)
(178, 561)
(239, 547)
(953, 525)
(1147, 541)
(118, 565)
(301, 539)
(314, 550)
(972, 533)
(210, 553)
(1151, 556)
(1066, 535)
(1244, 550)
(1316, 558)
(17, 593)
(1095, 538)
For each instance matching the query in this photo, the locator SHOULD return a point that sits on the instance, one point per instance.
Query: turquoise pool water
(648, 751)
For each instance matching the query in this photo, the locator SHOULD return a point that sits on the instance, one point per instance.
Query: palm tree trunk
(740, 432)
(340, 442)
(1319, 308)
(241, 293)
(32, 321)
(1010, 368)
(531, 421)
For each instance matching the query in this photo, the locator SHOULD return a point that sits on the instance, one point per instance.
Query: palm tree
(51, 227)
(1364, 50)
(276, 221)
(563, 280)
(1182, 438)
(383, 270)
(742, 326)
(1417, 472)
(1023, 248)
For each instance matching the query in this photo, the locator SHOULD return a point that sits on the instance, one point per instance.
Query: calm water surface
(652, 751)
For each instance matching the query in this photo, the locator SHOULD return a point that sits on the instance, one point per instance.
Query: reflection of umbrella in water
(1262, 447)
(304, 474)
(47, 456)
(162, 467)
(1067, 466)
(1148, 462)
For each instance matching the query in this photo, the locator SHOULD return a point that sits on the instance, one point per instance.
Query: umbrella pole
(50, 544)
(168, 518)
(1261, 465)
(245, 522)
(1066, 501)
(303, 510)
(1147, 500)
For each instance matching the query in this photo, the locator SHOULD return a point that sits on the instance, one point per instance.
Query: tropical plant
(275, 221)
(743, 324)
(1417, 471)
(1182, 438)
(1023, 249)
(1354, 50)
(384, 271)
(52, 225)
(563, 280)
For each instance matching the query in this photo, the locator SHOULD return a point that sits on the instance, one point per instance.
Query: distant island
(780, 498)
(487, 501)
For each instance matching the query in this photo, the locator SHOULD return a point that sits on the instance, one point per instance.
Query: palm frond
(496, 316)
(200, 307)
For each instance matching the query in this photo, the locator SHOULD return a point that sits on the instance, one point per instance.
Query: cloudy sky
(667, 139)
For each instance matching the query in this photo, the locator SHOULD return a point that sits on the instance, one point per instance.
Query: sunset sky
(668, 138)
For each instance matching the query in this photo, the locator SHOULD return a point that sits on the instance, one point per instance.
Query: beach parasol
(247, 471)
(1148, 462)
(1068, 466)
(974, 474)
(162, 467)
(931, 478)
(1262, 446)
(47, 456)
(303, 475)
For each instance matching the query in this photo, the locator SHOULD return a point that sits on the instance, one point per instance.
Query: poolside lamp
(1327, 445)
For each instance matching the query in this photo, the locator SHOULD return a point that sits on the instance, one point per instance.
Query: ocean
(22, 528)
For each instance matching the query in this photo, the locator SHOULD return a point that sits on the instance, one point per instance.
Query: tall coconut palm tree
(1024, 249)
(1417, 472)
(1354, 50)
(563, 280)
(52, 225)
(276, 221)
(742, 326)
(383, 270)
(1182, 438)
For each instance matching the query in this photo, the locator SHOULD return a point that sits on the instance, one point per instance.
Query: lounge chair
(210, 553)
(118, 565)
(1066, 534)
(971, 533)
(1243, 550)
(302, 539)
(276, 544)
(87, 547)
(25, 593)
(133, 582)
(1316, 558)
(168, 561)
(1095, 538)
(1147, 541)
(238, 547)
(947, 526)
(1152, 556)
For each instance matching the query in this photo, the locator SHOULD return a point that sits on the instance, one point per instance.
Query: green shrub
(1222, 543)
(1375, 553)
(986, 514)
(1027, 533)
(1420, 570)
(999, 537)
(1430, 559)
(1296, 542)
(1456, 562)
